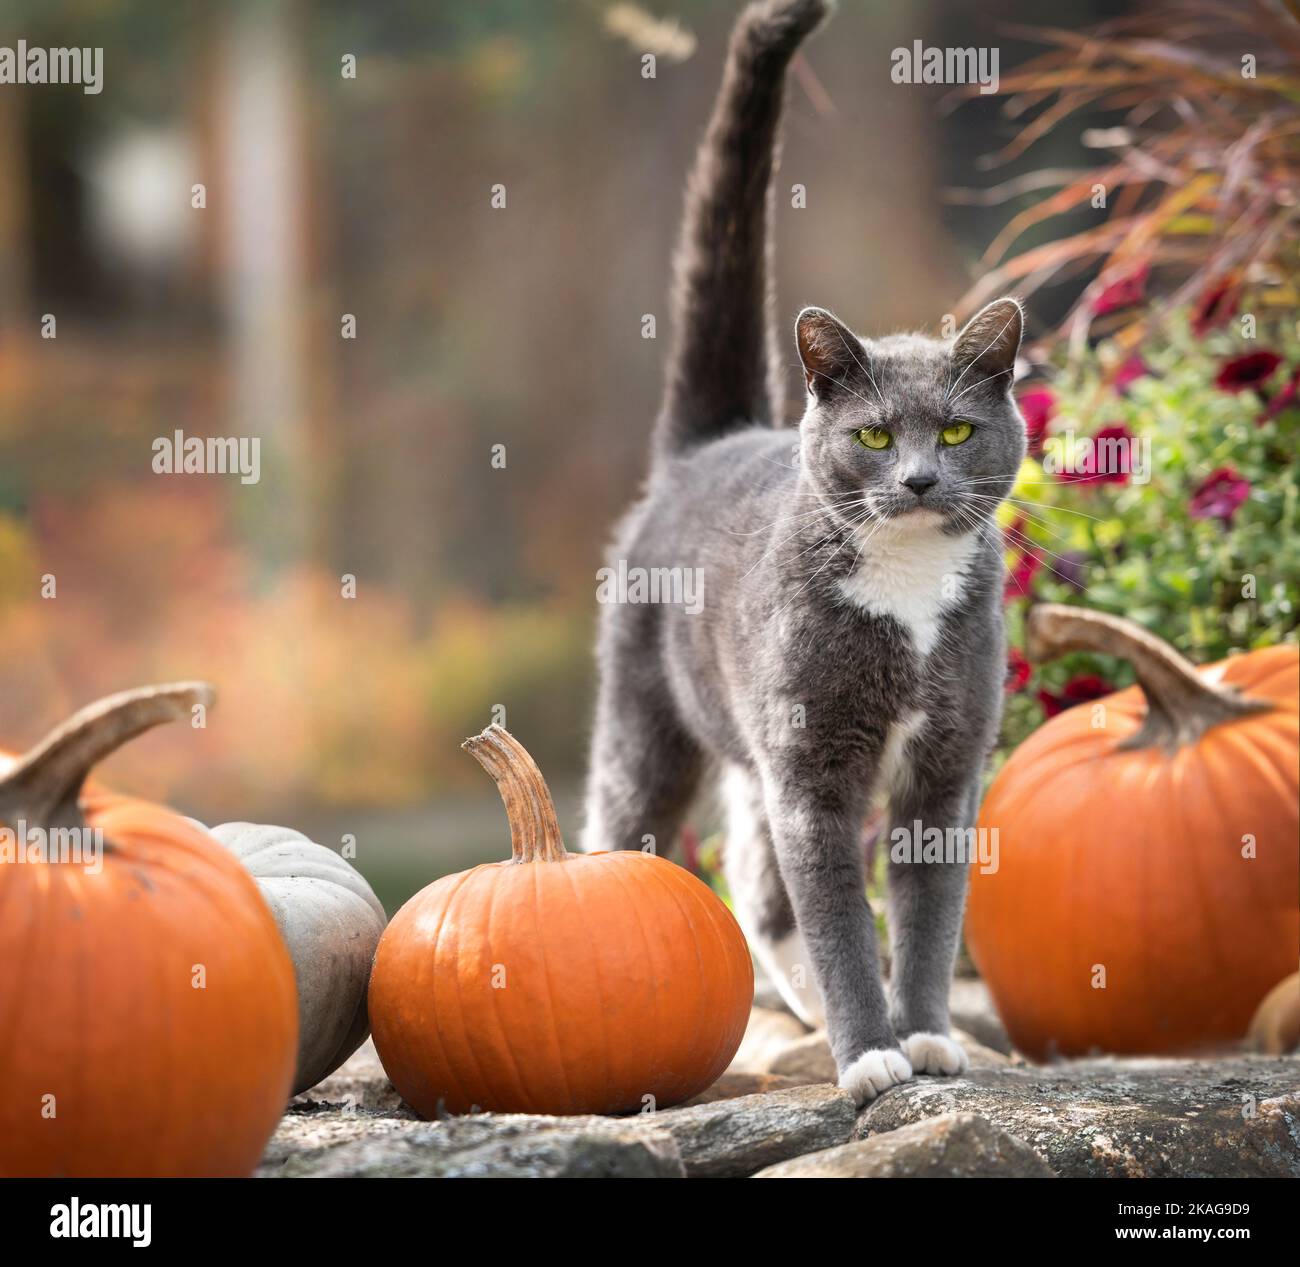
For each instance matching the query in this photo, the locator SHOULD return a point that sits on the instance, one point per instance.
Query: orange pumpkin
(148, 1021)
(1145, 899)
(557, 982)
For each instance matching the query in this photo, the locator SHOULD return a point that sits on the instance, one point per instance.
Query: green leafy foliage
(1210, 574)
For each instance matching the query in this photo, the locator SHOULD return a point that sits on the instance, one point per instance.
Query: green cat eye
(958, 433)
(873, 438)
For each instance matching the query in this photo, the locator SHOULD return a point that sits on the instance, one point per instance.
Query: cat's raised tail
(724, 367)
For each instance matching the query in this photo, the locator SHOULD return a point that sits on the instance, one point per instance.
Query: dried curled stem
(1181, 704)
(534, 828)
(45, 785)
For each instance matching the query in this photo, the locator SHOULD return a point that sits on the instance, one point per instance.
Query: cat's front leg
(929, 849)
(815, 830)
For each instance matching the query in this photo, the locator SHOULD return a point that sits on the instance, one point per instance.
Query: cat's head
(908, 428)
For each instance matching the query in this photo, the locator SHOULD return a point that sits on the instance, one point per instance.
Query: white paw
(874, 1072)
(935, 1053)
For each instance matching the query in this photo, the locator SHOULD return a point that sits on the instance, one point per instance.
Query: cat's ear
(828, 349)
(990, 340)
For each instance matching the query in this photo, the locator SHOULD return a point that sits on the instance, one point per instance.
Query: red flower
(1078, 690)
(1219, 495)
(1020, 576)
(691, 849)
(1018, 671)
(1283, 399)
(1112, 444)
(1132, 369)
(1215, 306)
(1246, 371)
(1037, 406)
(1020, 580)
(1124, 293)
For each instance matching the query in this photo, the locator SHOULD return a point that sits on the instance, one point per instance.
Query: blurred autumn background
(522, 327)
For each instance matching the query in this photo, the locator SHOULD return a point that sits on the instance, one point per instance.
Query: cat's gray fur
(844, 651)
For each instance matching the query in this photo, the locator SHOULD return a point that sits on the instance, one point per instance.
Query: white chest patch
(911, 574)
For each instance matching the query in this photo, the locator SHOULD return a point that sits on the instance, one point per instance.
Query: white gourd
(331, 921)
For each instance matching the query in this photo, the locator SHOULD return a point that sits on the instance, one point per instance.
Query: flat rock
(980, 1055)
(1236, 1116)
(768, 1032)
(359, 1083)
(808, 1058)
(311, 1129)
(971, 1009)
(739, 1136)
(1124, 1117)
(950, 1146)
(765, 993)
(969, 1004)
(736, 1082)
(348, 1143)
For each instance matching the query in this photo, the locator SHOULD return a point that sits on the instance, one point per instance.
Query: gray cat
(849, 643)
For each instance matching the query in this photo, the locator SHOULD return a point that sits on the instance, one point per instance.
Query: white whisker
(870, 377)
(953, 399)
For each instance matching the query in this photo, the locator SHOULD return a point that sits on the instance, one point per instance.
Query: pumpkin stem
(1181, 704)
(534, 828)
(45, 785)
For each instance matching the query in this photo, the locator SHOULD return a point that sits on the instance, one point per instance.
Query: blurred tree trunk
(871, 243)
(260, 192)
(15, 335)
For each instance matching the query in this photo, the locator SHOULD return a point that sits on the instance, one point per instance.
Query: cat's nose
(919, 483)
